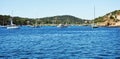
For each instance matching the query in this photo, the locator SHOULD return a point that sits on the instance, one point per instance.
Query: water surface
(74, 42)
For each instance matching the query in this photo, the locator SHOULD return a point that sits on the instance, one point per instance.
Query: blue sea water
(47, 42)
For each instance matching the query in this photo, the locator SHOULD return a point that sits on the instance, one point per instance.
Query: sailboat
(63, 25)
(93, 25)
(12, 26)
(36, 24)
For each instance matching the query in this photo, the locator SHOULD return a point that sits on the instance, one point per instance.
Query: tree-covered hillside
(61, 19)
(4, 20)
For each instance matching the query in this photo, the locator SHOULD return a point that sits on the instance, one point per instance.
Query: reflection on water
(60, 43)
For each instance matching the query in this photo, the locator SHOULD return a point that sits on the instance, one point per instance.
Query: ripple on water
(4, 57)
(117, 57)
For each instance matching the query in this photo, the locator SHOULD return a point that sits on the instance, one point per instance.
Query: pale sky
(46, 8)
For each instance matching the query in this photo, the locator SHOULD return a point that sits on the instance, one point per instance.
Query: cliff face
(110, 19)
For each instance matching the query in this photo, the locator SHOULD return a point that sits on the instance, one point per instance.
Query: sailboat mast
(11, 21)
(94, 10)
(11, 18)
(94, 25)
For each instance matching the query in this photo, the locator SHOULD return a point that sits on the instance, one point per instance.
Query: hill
(4, 20)
(62, 19)
(110, 19)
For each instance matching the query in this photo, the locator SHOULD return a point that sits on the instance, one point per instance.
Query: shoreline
(67, 24)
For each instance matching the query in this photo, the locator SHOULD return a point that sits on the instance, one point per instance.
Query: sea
(51, 42)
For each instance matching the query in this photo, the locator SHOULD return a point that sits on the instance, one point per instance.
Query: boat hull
(62, 25)
(12, 27)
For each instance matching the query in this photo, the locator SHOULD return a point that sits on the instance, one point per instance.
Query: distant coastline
(110, 19)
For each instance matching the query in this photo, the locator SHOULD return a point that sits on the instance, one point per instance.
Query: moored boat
(94, 25)
(62, 25)
(12, 26)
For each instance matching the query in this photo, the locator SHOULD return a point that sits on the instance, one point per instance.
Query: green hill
(4, 20)
(61, 19)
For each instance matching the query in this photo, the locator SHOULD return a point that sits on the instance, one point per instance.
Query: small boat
(94, 26)
(62, 25)
(12, 26)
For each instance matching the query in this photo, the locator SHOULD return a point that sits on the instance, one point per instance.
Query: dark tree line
(4, 20)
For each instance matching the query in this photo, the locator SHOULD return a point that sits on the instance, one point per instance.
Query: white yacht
(12, 26)
(62, 25)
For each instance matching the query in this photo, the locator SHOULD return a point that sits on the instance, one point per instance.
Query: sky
(46, 8)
